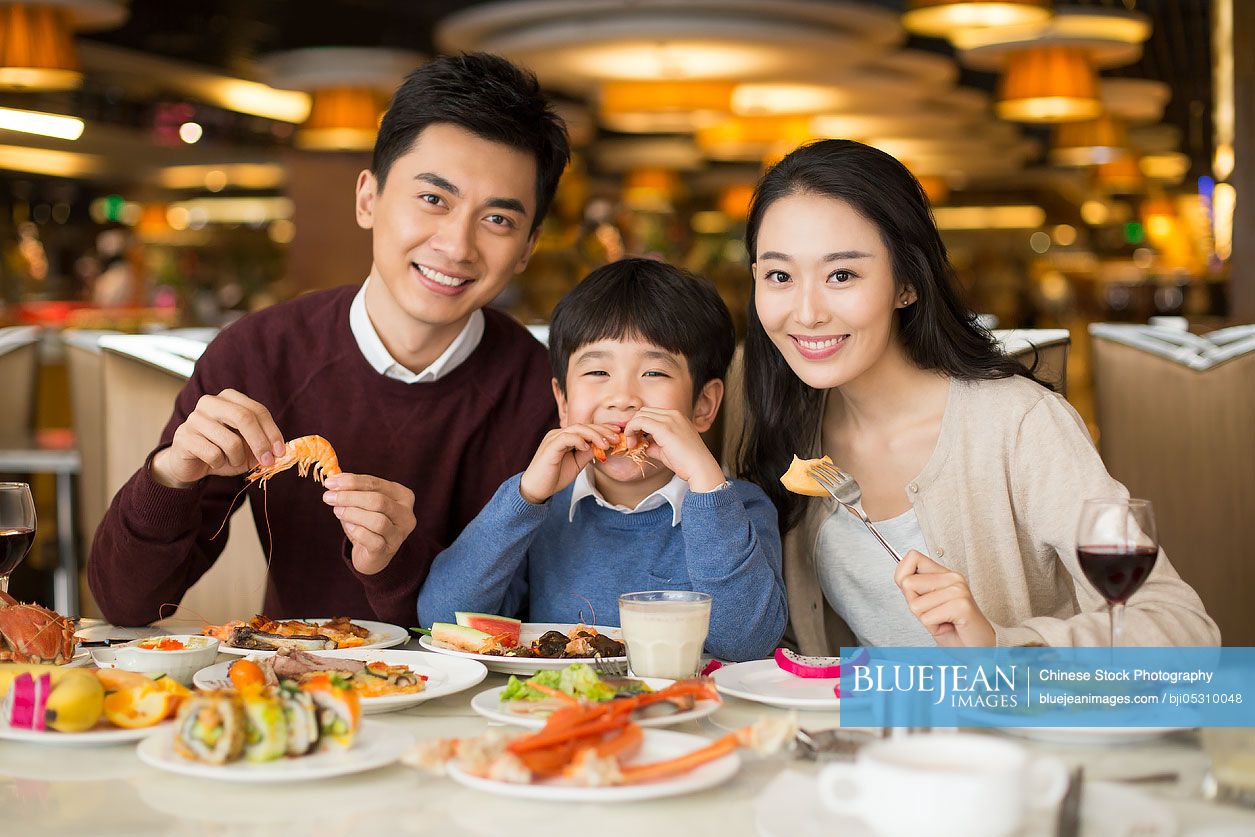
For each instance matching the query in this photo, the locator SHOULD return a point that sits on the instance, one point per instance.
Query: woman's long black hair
(937, 330)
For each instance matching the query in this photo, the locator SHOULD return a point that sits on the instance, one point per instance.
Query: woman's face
(824, 288)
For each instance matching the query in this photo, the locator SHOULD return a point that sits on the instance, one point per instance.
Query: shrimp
(308, 453)
(636, 453)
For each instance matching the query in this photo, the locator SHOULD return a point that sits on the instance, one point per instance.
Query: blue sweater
(517, 553)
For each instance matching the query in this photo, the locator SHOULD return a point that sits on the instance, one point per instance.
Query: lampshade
(754, 138)
(650, 189)
(942, 18)
(662, 106)
(1049, 84)
(342, 119)
(1089, 143)
(734, 201)
(37, 48)
(1122, 175)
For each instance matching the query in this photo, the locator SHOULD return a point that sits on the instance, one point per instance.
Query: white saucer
(789, 807)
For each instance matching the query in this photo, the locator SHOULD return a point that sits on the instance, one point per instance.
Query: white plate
(657, 746)
(1091, 735)
(488, 703)
(102, 736)
(525, 665)
(790, 807)
(763, 681)
(375, 745)
(382, 635)
(445, 675)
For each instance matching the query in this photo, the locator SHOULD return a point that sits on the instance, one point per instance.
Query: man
(429, 399)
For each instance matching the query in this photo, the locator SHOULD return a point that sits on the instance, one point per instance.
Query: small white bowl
(200, 652)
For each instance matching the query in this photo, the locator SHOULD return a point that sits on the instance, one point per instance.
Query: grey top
(856, 574)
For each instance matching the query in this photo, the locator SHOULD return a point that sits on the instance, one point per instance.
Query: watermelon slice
(460, 637)
(504, 628)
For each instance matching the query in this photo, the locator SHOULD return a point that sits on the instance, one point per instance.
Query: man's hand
(677, 444)
(227, 434)
(562, 454)
(941, 600)
(377, 516)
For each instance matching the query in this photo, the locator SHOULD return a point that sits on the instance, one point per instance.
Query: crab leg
(549, 738)
(766, 736)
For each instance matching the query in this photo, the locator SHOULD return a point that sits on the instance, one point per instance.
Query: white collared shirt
(673, 492)
(378, 356)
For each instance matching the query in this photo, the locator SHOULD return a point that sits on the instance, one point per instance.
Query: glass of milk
(664, 631)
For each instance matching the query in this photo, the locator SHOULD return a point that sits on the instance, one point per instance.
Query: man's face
(452, 223)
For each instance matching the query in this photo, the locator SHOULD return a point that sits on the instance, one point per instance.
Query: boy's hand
(677, 444)
(376, 515)
(562, 454)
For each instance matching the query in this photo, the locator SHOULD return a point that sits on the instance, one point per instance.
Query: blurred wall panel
(329, 249)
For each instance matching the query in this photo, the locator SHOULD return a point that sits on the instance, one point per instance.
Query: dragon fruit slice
(816, 667)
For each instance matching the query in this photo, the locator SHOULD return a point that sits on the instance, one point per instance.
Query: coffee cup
(960, 785)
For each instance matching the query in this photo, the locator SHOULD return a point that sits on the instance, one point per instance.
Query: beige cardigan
(998, 502)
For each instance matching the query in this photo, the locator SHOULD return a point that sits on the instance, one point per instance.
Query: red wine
(13, 546)
(1117, 571)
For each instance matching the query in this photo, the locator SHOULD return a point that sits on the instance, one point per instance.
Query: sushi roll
(266, 729)
(210, 728)
(302, 719)
(339, 707)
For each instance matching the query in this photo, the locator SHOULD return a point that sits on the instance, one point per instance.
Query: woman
(859, 347)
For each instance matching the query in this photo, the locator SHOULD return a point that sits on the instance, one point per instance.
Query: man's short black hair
(487, 96)
(651, 301)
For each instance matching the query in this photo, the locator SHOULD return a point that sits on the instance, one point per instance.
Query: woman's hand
(940, 599)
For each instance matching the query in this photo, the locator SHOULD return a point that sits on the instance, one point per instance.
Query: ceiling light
(1089, 143)
(1048, 84)
(43, 124)
(942, 18)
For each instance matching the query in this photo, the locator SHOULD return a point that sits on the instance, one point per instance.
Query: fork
(606, 668)
(845, 490)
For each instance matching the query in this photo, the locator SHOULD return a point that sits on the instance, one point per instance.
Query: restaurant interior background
(173, 165)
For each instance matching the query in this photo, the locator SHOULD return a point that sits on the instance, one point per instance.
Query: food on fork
(798, 478)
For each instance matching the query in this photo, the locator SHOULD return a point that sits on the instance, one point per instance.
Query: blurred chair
(142, 374)
(87, 402)
(1176, 419)
(1048, 347)
(19, 370)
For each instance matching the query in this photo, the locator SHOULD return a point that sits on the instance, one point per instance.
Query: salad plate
(526, 666)
(489, 704)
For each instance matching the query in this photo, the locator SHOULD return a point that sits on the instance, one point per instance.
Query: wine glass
(17, 527)
(1116, 546)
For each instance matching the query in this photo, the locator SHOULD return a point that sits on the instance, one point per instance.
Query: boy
(428, 400)
(638, 348)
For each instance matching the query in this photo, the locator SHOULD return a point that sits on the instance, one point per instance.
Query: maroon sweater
(452, 441)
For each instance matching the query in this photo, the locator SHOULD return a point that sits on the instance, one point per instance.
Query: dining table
(106, 790)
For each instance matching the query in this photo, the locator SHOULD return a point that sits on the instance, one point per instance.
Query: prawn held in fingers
(308, 454)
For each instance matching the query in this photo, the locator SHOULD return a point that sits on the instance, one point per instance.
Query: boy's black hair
(652, 301)
(486, 95)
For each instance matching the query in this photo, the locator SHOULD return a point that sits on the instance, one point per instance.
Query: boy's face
(608, 381)
(452, 223)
